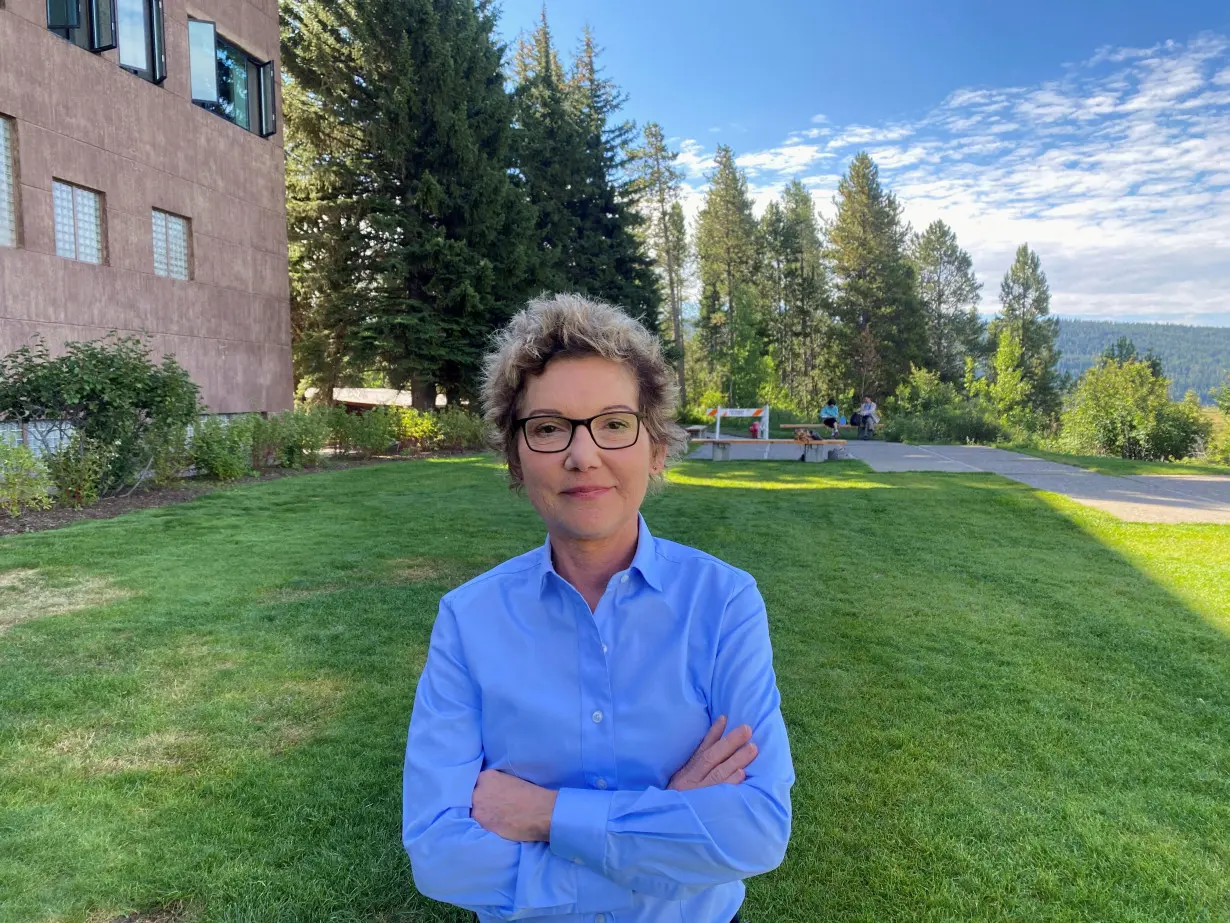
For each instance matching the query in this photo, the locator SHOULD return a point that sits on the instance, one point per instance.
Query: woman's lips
(586, 493)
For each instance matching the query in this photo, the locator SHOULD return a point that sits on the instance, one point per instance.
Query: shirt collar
(645, 561)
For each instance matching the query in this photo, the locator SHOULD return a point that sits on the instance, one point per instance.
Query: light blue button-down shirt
(603, 707)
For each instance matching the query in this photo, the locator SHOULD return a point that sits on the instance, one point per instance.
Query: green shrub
(109, 390)
(267, 439)
(373, 432)
(461, 429)
(24, 482)
(308, 434)
(416, 430)
(171, 454)
(221, 450)
(78, 469)
(1124, 409)
(925, 409)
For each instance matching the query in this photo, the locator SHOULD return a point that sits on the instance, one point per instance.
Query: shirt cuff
(578, 826)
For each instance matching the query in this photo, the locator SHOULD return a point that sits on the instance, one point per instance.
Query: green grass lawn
(1121, 467)
(1002, 706)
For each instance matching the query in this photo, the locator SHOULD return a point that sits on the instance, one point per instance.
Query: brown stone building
(142, 185)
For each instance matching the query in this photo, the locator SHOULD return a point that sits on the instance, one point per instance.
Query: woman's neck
(589, 564)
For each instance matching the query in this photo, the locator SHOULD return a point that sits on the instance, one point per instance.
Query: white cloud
(1115, 172)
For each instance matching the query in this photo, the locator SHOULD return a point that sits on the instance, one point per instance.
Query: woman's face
(585, 492)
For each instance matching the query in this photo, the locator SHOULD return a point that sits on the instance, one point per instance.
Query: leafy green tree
(1025, 298)
(1124, 409)
(949, 292)
(1221, 396)
(875, 295)
(726, 248)
(1124, 350)
(407, 223)
(1009, 389)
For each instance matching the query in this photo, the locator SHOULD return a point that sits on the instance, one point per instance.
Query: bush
(24, 482)
(171, 454)
(926, 409)
(1123, 409)
(461, 430)
(78, 469)
(109, 390)
(371, 433)
(308, 431)
(416, 430)
(221, 450)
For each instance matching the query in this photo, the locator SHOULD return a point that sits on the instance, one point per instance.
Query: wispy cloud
(1116, 172)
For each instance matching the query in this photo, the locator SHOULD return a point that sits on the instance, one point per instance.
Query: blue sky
(1097, 132)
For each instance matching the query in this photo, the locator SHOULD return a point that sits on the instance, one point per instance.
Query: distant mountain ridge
(1195, 358)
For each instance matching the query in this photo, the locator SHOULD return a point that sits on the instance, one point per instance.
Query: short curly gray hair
(567, 325)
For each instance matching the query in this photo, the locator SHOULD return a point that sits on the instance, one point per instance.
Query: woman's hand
(718, 759)
(512, 808)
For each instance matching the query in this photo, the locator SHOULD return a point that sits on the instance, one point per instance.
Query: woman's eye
(616, 424)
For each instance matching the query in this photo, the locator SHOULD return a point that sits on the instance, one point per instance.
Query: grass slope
(1001, 705)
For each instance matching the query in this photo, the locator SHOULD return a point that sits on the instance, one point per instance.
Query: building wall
(81, 119)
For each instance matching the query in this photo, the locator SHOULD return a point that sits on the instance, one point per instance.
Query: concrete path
(1138, 498)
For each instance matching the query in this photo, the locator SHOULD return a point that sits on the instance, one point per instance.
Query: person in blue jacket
(597, 734)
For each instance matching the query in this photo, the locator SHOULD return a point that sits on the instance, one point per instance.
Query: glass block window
(78, 220)
(8, 184)
(171, 233)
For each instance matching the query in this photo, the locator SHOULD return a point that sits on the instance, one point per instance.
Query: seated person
(829, 415)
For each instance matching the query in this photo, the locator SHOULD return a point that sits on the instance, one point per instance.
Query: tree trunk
(423, 393)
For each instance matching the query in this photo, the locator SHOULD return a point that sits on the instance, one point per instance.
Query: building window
(140, 34)
(78, 219)
(8, 184)
(171, 237)
(229, 81)
(88, 23)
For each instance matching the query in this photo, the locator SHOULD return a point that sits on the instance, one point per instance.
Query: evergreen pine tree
(949, 292)
(726, 252)
(874, 280)
(402, 126)
(659, 183)
(1025, 297)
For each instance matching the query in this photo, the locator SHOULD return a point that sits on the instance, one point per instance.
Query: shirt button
(623, 579)
(576, 861)
(597, 716)
(600, 918)
(604, 648)
(601, 783)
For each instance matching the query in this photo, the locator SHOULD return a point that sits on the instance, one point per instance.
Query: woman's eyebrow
(537, 411)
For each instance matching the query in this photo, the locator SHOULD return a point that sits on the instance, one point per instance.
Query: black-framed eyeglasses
(548, 433)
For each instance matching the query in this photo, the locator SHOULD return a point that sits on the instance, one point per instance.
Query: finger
(713, 735)
(734, 765)
(721, 751)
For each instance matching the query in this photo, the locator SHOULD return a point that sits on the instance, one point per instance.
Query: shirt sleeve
(675, 844)
(453, 858)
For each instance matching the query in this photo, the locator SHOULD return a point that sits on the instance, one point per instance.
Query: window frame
(155, 42)
(260, 78)
(11, 169)
(101, 210)
(187, 224)
(88, 24)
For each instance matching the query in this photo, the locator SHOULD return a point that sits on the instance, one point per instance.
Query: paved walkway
(1138, 498)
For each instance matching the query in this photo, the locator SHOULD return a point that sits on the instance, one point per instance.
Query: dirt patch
(27, 594)
(172, 913)
(154, 497)
(166, 750)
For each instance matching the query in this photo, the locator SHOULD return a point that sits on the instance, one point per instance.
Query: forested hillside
(1194, 358)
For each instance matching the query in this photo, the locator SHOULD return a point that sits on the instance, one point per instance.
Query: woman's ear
(658, 460)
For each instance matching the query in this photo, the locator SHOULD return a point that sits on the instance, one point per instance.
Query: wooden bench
(815, 450)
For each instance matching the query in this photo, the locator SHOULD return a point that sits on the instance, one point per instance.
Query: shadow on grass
(996, 708)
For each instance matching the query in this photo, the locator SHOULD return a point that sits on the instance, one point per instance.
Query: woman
(829, 415)
(568, 756)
